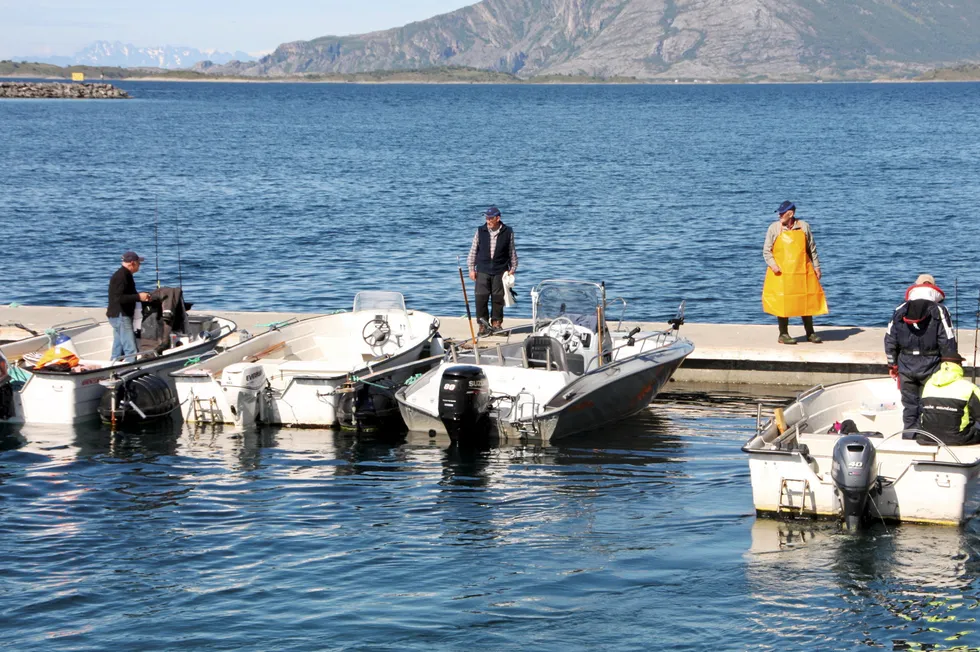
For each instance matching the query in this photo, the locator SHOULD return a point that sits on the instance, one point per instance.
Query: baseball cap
(131, 257)
(786, 206)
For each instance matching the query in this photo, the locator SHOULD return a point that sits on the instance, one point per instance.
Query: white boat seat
(541, 350)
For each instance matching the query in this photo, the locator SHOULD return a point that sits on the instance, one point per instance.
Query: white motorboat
(570, 375)
(31, 395)
(294, 373)
(805, 464)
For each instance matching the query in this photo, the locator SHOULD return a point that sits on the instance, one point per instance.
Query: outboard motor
(370, 408)
(242, 383)
(464, 402)
(853, 473)
(136, 397)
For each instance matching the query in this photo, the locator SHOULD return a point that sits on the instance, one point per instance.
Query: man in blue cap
(491, 254)
(792, 285)
(122, 305)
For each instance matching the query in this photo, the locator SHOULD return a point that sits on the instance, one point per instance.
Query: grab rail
(662, 340)
(76, 322)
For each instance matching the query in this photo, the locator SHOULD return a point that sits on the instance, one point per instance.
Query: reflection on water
(314, 539)
(906, 587)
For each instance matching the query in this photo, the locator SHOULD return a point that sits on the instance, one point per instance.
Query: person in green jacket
(951, 405)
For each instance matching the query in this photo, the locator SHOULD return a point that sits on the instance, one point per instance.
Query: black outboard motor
(464, 402)
(370, 408)
(853, 472)
(139, 396)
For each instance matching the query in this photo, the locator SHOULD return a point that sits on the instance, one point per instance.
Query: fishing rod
(156, 235)
(956, 308)
(976, 330)
(466, 298)
(180, 278)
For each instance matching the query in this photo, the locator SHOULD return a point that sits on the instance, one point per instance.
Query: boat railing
(84, 321)
(659, 339)
(496, 356)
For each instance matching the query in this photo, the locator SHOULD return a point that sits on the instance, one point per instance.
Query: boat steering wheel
(377, 332)
(563, 330)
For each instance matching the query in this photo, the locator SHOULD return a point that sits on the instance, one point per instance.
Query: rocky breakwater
(58, 90)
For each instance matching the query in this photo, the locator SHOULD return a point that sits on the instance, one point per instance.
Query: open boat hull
(292, 375)
(63, 397)
(918, 483)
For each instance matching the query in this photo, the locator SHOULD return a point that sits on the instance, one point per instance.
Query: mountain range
(654, 39)
(106, 53)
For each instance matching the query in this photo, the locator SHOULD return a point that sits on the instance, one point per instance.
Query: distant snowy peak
(127, 55)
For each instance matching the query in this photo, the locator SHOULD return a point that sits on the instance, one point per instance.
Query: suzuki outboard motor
(464, 402)
(853, 473)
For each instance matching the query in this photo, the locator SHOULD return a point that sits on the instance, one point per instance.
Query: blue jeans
(123, 337)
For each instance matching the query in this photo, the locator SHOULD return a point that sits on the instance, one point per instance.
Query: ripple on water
(310, 539)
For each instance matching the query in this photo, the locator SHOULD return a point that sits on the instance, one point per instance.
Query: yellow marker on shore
(78, 76)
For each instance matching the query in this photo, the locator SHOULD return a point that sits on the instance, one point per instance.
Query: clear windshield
(378, 300)
(576, 300)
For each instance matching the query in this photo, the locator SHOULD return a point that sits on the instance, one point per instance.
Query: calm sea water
(642, 537)
(295, 196)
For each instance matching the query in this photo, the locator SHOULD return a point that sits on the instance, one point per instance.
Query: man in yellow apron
(792, 286)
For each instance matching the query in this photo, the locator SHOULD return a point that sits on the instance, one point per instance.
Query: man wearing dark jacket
(491, 254)
(122, 304)
(919, 336)
(951, 405)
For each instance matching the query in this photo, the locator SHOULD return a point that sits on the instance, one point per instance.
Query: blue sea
(295, 196)
(643, 536)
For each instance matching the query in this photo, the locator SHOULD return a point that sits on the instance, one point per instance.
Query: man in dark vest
(122, 304)
(491, 254)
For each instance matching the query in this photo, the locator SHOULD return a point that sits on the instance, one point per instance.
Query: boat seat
(540, 349)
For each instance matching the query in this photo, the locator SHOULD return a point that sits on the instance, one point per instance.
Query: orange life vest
(796, 292)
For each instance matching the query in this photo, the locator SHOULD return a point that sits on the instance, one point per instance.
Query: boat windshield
(378, 300)
(576, 300)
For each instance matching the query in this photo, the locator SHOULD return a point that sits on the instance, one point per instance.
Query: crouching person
(951, 405)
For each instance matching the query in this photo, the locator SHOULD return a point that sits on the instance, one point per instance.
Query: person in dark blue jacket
(918, 337)
(491, 254)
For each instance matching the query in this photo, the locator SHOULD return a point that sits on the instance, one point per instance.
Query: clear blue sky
(62, 27)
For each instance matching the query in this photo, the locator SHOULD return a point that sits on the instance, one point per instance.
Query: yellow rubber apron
(796, 292)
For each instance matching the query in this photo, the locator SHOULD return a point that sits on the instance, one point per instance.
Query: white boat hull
(920, 483)
(299, 383)
(59, 397)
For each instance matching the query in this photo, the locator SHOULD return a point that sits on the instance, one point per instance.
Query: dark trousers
(490, 286)
(911, 389)
(784, 325)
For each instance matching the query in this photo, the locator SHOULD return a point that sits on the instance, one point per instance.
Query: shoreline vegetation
(442, 75)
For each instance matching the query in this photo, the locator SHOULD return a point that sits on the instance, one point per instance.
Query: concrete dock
(725, 355)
